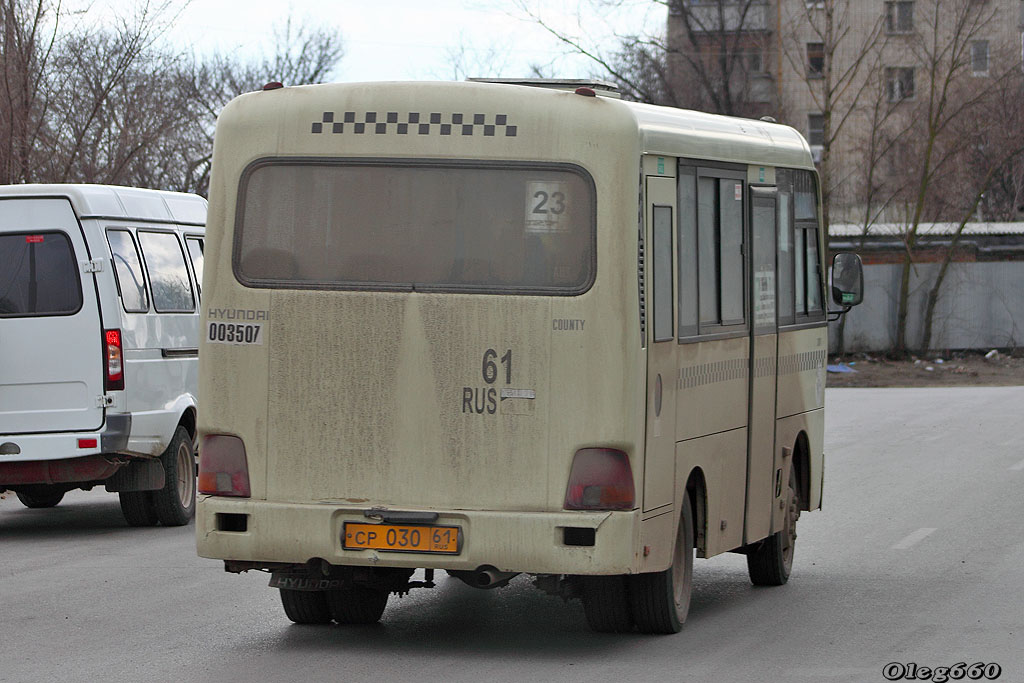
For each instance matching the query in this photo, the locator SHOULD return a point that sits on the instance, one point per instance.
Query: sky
(416, 40)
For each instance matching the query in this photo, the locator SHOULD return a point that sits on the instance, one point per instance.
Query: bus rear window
(405, 226)
(40, 275)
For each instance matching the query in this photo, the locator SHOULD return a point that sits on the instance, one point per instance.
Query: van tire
(661, 600)
(606, 604)
(769, 562)
(41, 497)
(305, 607)
(137, 508)
(357, 605)
(175, 503)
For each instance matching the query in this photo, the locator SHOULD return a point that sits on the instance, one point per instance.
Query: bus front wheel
(770, 561)
(661, 600)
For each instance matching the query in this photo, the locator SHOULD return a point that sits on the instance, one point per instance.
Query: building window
(754, 61)
(816, 130)
(815, 60)
(899, 16)
(979, 57)
(899, 83)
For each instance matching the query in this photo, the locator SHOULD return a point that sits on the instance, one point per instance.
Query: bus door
(763, 484)
(659, 463)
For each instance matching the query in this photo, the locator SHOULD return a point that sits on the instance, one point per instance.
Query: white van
(99, 300)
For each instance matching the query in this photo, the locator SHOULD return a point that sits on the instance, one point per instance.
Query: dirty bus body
(437, 336)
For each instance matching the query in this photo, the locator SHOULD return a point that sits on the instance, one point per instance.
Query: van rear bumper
(111, 438)
(531, 542)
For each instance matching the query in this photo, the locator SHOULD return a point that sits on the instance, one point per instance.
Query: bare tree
(838, 64)
(718, 51)
(28, 37)
(942, 46)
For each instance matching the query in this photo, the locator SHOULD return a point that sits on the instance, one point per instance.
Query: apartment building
(854, 73)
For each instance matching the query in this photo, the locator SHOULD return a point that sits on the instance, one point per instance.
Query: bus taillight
(600, 479)
(223, 468)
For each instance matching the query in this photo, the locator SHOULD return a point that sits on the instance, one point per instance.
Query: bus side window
(662, 262)
(721, 269)
(687, 246)
(785, 203)
(808, 260)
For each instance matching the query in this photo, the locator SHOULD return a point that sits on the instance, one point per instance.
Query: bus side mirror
(847, 280)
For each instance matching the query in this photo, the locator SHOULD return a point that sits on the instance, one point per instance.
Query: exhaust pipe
(483, 577)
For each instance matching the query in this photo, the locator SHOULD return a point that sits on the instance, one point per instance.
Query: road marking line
(1018, 467)
(914, 538)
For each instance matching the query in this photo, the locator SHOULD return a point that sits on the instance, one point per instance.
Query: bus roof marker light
(586, 92)
(273, 85)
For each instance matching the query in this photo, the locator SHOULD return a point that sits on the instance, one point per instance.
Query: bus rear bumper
(532, 542)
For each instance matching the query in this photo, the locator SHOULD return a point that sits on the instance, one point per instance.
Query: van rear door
(51, 373)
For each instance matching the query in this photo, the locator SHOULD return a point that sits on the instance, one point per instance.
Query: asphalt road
(918, 556)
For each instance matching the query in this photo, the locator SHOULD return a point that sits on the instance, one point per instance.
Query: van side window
(39, 275)
(195, 253)
(128, 270)
(168, 274)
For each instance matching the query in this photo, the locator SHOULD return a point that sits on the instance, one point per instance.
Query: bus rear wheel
(770, 562)
(661, 600)
(357, 604)
(606, 603)
(306, 607)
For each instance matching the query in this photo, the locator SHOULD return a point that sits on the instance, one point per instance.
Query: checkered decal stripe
(727, 370)
(711, 373)
(764, 366)
(415, 123)
(801, 362)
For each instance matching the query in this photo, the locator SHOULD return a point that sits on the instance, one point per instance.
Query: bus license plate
(401, 538)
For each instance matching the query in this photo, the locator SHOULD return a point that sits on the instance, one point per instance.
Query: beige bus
(493, 329)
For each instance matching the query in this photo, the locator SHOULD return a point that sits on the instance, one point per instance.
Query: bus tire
(137, 508)
(175, 503)
(606, 604)
(357, 604)
(770, 561)
(41, 497)
(661, 600)
(305, 607)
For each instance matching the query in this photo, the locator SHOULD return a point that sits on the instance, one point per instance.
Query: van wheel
(661, 600)
(770, 562)
(606, 604)
(41, 497)
(175, 503)
(357, 605)
(137, 508)
(306, 607)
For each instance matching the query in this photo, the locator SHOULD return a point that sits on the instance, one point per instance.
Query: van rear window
(458, 227)
(40, 275)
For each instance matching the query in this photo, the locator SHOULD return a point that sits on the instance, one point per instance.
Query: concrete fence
(980, 306)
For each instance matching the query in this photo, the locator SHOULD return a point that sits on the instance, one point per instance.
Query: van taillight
(600, 479)
(114, 379)
(223, 469)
